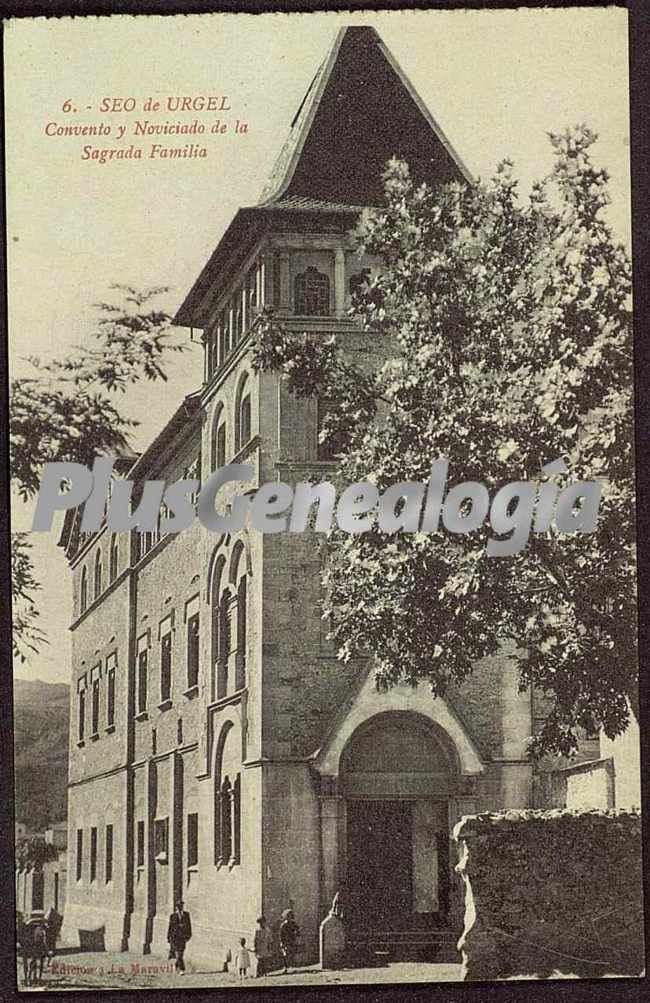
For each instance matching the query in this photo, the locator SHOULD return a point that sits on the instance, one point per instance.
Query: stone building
(219, 753)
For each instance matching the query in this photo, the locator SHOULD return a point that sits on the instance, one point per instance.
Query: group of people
(36, 942)
(179, 933)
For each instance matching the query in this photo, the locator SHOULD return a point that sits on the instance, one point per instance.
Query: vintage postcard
(323, 551)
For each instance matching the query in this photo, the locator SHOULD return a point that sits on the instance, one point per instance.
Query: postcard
(323, 546)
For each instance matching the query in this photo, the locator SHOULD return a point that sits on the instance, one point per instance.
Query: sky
(495, 81)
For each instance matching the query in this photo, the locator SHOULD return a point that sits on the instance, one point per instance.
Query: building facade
(219, 752)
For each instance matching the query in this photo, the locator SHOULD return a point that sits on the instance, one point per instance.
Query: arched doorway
(397, 774)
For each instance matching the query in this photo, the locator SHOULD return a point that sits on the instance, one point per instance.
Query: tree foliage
(67, 409)
(32, 852)
(505, 326)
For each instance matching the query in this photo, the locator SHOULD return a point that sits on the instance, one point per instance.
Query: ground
(128, 970)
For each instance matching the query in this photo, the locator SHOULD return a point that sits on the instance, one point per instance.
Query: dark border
(571, 991)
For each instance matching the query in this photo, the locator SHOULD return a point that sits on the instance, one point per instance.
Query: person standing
(53, 924)
(289, 934)
(242, 959)
(263, 947)
(179, 932)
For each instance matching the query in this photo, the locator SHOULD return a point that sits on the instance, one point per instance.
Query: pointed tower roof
(359, 111)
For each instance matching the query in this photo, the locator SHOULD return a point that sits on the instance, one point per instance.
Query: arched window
(218, 444)
(114, 558)
(242, 415)
(224, 642)
(227, 798)
(240, 669)
(215, 602)
(311, 293)
(83, 591)
(98, 574)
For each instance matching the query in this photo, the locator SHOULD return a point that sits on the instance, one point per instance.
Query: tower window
(98, 574)
(312, 293)
(83, 591)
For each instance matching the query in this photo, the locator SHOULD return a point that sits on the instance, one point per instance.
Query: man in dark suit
(178, 934)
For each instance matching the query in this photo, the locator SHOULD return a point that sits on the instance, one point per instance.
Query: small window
(114, 558)
(110, 696)
(312, 294)
(95, 707)
(161, 839)
(221, 445)
(166, 667)
(80, 854)
(193, 651)
(108, 871)
(223, 336)
(245, 421)
(38, 890)
(142, 681)
(83, 590)
(140, 844)
(98, 574)
(192, 840)
(241, 635)
(93, 854)
(81, 719)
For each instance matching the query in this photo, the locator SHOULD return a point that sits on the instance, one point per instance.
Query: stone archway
(396, 775)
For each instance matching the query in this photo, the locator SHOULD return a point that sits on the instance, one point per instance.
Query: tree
(66, 410)
(506, 332)
(32, 852)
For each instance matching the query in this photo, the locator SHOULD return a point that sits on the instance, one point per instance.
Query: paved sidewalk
(86, 970)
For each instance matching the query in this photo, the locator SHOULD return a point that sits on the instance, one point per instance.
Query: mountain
(41, 723)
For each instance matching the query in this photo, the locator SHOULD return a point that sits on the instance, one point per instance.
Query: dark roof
(359, 111)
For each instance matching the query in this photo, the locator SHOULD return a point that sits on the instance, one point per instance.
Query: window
(81, 718)
(142, 679)
(240, 681)
(161, 839)
(237, 316)
(98, 574)
(38, 890)
(80, 853)
(95, 707)
(166, 667)
(223, 644)
(114, 558)
(93, 854)
(110, 691)
(245, 420)
(192, 840)
(108, 859)
(226, 821)
(236, 820)
(312, 293)
(193, 651)
(223, 336)
(83, 591)
(140, 844)
(218, 446)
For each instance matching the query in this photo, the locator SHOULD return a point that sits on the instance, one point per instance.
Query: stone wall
(551, 892)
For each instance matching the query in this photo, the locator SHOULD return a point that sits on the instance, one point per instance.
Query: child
(242, 959)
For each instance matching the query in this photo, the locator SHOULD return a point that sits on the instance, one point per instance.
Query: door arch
(397, 773)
